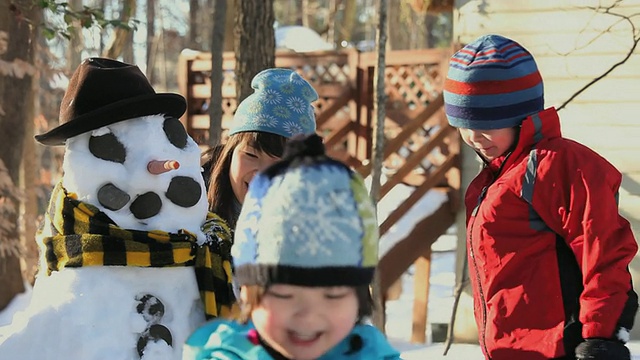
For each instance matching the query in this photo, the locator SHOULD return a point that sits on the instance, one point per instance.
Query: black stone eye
(112, 198)
(146, 205)
(107, 147)
(175, 132)
(184, 191)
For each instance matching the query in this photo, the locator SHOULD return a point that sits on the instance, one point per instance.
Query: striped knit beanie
(308, 221)
(492, 83)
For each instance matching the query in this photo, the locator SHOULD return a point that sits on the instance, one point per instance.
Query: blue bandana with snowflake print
(280, 104)
(311, 225)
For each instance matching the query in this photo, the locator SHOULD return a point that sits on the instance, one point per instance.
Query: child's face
(303, 323)
(246, 161)
(489, 143)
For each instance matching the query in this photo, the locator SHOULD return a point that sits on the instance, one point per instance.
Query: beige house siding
(573, 44)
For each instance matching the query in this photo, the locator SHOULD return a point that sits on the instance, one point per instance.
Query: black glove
(602, 349)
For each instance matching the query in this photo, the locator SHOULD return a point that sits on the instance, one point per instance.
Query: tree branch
(636, 40)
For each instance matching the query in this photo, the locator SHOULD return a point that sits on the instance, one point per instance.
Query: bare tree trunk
(17, 91)
(121, 36)
(218, 16)
(194, 11)
(345, 32)
(393, 23)
(76, 42)
(229, 25)
(103, 7)
(254, 42)
(151, 39)
(127, 51)
(30, 171)
(305, 13)
(378, 142)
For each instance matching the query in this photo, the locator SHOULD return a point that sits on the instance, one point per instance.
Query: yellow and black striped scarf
(77, 234)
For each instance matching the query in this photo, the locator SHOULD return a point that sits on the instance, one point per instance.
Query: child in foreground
(305, 253)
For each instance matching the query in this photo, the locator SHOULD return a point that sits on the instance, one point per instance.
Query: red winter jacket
(548, 251)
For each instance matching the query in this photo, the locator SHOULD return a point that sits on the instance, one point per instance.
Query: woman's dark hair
(220, 193)
(207, 159)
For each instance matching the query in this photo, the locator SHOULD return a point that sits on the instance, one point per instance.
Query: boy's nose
(304, 309)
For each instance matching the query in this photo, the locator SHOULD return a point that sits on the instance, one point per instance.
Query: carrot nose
(157, 167)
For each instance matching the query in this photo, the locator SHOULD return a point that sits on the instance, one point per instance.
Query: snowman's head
(144, 173)
(126, 151)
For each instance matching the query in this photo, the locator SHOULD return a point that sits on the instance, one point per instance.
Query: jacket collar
(542, 125)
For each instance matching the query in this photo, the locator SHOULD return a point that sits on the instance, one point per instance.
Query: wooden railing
(421, 149)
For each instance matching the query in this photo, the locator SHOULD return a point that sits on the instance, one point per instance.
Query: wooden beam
(408, 130)
(429, 183)
(421, 298)
(339, 133)
(398, 259)
(338, 103)
(414, 159)
(406, 57)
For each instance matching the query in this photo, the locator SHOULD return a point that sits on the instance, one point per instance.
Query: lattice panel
(321, 104)
(332, 73)
(416, 143)
(413, 86)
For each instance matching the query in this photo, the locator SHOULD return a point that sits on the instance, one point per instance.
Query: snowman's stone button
(150, 307)
(152, 311)
(175, 132)
(112, 198)
(184, 191)
(146, 205)
(107, 147)
(155, 333)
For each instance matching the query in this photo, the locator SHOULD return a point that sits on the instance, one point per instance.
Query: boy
(547, 247)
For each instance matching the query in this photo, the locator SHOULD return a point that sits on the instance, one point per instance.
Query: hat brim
(152, 104)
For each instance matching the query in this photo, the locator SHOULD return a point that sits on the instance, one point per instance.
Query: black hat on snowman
(103, 92)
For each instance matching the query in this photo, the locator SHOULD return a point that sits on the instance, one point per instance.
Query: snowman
(128, 250)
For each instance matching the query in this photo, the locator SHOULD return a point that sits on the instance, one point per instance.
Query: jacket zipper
(475, 267)
(481, 197)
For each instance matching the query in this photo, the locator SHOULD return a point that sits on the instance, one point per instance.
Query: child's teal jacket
(227, 340)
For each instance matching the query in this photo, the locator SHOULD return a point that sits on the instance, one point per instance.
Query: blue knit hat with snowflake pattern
(280, 104)
(308, 221)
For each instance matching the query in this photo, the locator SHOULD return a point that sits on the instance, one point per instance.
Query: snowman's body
(109, 168)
